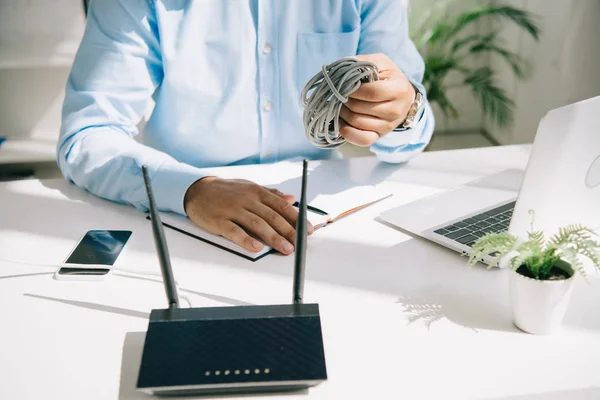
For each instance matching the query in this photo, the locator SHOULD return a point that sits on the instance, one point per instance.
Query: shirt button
(267, 48)
(268, 105)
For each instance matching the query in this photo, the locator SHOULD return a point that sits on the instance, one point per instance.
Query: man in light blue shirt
(226, 78)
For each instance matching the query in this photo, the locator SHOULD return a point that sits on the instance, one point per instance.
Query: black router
(226, 350)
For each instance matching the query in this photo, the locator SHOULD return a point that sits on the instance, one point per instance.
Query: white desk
(402, 318)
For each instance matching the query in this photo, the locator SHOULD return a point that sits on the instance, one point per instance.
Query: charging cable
(132, 273)
(330, 90)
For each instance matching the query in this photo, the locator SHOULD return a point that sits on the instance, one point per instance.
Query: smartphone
(94, 255)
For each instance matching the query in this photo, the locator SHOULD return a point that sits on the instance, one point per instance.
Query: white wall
(38, 39)
(31, 102)
(566, 63)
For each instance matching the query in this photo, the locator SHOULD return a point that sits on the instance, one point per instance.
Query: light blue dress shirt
(226, 78)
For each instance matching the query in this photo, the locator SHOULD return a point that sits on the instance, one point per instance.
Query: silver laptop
(561, 185)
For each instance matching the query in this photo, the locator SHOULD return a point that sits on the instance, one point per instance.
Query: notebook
(329, 197)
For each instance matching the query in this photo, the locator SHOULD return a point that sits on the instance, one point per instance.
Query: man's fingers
(357, 136)
(382, 61)
(233, 232)
(290, 198)
(285, 209)
(366, 122)
(259, 227)
(376, 91)
(388, 110)
(293, 214)
(276, 221)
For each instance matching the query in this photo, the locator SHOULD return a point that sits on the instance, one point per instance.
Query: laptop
(561, 185)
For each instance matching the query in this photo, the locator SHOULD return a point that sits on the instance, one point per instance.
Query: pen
(313, 209)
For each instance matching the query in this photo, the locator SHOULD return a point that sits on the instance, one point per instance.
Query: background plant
(446, 47)
(538, 255)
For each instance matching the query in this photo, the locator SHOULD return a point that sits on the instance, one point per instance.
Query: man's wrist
(193, 190)
(415, 110)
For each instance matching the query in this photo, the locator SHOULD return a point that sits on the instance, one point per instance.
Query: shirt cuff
(399, 147)
(170, 182)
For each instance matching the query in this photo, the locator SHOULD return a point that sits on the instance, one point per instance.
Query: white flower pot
(539, 306)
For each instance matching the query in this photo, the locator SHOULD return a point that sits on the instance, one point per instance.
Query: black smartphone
(93, 256)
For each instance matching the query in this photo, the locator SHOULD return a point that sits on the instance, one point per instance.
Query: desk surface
(402, 318)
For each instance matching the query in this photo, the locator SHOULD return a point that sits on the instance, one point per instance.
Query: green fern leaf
(421, 24)
(517, 64)
(478, 38)
(537, 237)
(521, 18)
(499, 243)
(517, 261)
(494, 101)
(569, 233)
(591, 250)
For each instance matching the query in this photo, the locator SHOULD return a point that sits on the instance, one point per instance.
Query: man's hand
(231, 208)
(376, 108)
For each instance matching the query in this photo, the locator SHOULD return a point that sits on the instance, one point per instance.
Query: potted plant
(541, 273)
(449, 50)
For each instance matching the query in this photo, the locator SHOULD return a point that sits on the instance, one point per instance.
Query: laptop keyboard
(468, 230)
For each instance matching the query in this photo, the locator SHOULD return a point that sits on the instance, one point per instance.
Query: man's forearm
(108, 163)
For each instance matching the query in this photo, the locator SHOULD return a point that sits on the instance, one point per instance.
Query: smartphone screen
(98, 247)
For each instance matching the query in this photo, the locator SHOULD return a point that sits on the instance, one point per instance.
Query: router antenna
(161, 246)
(300, 251)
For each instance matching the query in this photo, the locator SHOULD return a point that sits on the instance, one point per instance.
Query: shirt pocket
(313, 50)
